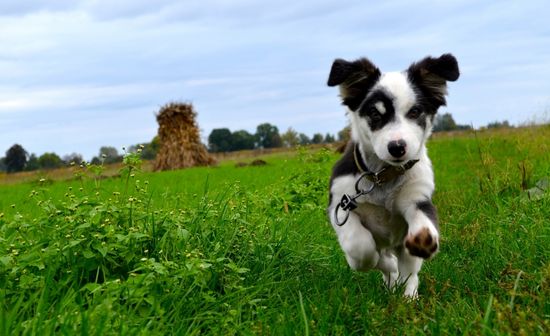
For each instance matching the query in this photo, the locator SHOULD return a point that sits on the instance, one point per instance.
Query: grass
(249, 250)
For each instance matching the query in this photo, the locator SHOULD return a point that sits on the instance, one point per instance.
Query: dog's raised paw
(422, 244)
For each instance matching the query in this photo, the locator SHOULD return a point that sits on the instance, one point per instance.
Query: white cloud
(68, 66)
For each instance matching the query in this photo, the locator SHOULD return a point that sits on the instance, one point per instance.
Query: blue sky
(77, 75)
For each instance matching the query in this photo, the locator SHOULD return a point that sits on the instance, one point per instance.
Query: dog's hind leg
(357, 243)
(387, 264)
(409, 266)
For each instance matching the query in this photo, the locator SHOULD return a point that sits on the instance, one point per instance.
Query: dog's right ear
(355, 79)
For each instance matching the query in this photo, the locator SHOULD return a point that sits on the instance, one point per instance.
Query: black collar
(386, 174)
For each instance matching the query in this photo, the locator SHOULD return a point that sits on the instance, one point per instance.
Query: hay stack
(179, 138)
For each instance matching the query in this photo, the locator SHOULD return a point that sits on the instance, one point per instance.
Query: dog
(381, 188)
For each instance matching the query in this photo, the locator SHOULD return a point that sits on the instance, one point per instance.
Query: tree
(109, 154)
(499, 124)
(267, 136)
(50, 161)
(220, 140)
(444, 122)
(329, 138)
(33, 163)
(290, 138)
(96, 161)
(304, 139)
(317, 138)
(3, 166)
(16, 158)
(463, 127)
(242, 140)
(148, 150)
(344, 134)
(73, 157)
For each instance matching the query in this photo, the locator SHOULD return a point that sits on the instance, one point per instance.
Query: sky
(76, 75)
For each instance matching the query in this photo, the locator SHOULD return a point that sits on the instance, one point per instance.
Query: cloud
(19, 8)
(68, 66)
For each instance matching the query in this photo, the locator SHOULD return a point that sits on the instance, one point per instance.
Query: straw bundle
(179, 138)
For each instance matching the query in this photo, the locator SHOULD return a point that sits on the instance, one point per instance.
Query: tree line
(444, 122)
(266, 136)
(17, 159)
(220, 140)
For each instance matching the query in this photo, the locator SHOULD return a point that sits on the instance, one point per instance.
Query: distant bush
(33, 163)
(329, 138)
(73, 158)
(110, 154)
(499, 124)
(242, 140)
(445, 122)
(50, 161)
(317, 138)
(463, 127)
(304, 139)
(148, 150)
(344, 134)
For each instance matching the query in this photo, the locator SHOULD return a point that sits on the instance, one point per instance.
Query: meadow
(248, 250)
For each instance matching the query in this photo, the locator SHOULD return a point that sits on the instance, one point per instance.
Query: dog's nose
(397, 148)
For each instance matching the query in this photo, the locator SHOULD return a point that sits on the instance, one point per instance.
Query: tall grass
(249, 250)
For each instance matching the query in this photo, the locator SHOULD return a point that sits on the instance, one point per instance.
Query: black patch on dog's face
(419, 115)
(375, 118)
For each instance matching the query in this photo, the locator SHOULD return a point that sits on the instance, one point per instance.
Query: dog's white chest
(388, 229)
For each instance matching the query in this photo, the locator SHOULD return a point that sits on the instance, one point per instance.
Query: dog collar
(385, 174)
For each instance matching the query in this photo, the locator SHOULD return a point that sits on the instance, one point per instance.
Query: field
(249, 250)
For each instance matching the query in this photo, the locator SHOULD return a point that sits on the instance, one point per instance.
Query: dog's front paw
(422, 244)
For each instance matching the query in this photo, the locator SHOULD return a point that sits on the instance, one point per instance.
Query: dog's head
(393, 113)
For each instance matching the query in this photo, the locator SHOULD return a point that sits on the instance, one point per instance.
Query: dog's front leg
(422, 239)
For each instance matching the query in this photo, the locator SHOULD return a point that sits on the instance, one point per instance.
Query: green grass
(249, 250)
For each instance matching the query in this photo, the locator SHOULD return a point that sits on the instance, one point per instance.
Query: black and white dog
(380, 190)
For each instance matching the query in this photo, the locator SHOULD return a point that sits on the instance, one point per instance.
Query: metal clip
(364, 192)
(348, 203)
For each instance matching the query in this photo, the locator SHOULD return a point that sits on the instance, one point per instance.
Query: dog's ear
(355, 79)
(444, 67)
(431, 76)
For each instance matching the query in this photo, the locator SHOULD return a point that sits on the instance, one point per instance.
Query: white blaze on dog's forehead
(380, 107)
(398, 85)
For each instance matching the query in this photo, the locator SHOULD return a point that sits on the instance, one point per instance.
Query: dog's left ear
(431, 76)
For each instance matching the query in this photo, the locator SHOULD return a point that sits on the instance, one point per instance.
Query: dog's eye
(414, 113)
(374, 115)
